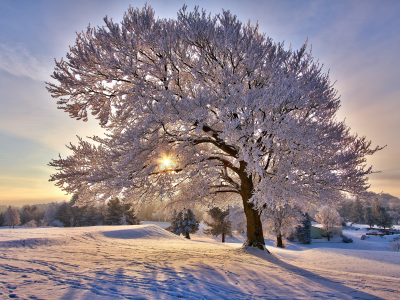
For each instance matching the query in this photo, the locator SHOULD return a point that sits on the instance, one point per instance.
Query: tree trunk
(223, 237)
(255, 236)
(279, 242)
(187, 235)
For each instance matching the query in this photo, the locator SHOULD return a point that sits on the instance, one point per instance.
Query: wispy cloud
(18, 61)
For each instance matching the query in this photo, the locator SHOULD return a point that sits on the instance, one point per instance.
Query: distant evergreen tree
(184, 222)
(11, 217)
(64, 214)
(176, 220)
(189, 223)
(92, 216)
(369, 217)
(115, 211)
(384, 219)
(79, 216)
(358, 212)
(26, 213)
(129, 216)
(395, 213)
(303, 232)
(119, 213)
(220, 224)
(1, 219)
(345, 209)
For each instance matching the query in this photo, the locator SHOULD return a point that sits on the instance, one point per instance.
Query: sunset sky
(358, 41)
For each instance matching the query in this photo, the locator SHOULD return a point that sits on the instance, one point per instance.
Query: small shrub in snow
(31, 223)
(57, 223)
(346, 239)
(394, 246)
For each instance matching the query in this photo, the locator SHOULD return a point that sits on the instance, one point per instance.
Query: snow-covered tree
(189, 224)
(184, 223)
(358, 212)
(11, 217)
(50, 213)
(64, 214)
(303, 231)
(220, 224)
(330, 220)
(203, 105)
(395, 213)
(282, 221)
(119, 213)
(369, 216)
(176, 220)
(1, 218)
(382, 217)
(345, 209)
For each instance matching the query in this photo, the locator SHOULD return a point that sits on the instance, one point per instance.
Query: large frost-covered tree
(203, 105)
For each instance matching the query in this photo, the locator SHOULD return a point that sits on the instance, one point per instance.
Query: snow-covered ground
(147, 262)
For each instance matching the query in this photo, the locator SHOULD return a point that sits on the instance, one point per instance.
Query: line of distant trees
(66, 214)
(372, 213)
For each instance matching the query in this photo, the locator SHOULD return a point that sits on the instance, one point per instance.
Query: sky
(357, 42)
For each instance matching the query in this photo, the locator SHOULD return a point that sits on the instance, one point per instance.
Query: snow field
(147, 262)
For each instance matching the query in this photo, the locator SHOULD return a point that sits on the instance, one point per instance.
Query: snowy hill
(147, 262)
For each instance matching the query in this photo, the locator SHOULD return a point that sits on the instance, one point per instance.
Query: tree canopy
(204, 105)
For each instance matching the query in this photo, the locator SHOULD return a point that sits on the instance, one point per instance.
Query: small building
(316, 232)
(319, 233)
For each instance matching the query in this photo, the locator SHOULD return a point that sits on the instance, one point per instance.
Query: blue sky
(357, 41)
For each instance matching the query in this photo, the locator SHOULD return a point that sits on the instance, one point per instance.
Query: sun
(166, 162)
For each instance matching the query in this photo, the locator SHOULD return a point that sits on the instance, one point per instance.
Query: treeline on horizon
(67, 214)
(116, 212)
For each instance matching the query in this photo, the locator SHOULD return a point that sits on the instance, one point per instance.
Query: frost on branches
(281, 221)
(203, 105)
(184, 222)
(11, 217)
(330, 220)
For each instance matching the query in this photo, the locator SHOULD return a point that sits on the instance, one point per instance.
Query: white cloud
(18, 61)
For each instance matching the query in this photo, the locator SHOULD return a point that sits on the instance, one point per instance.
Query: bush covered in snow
(31, 223)
(346, 239)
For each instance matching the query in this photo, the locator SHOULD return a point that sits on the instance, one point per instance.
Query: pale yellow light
(166, 162)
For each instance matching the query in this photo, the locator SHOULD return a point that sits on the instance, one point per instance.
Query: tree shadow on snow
(340, 288)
